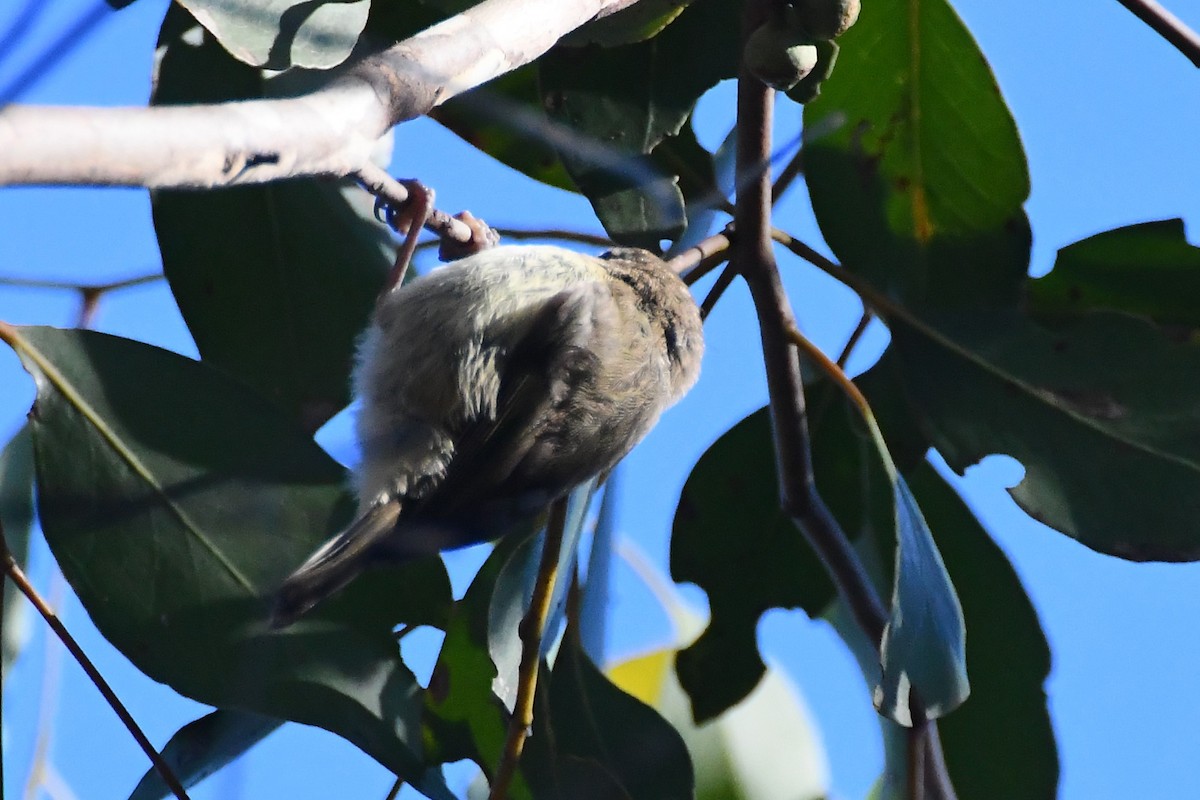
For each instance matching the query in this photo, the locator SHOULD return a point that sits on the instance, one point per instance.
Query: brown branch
(17, 576)
(329, 132)
(1168, 26)
(724, 280)
(756, 261)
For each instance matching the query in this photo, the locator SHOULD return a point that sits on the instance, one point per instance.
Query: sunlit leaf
(917, 177)
(277, 34)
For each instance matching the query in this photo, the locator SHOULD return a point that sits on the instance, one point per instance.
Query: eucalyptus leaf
(277, 34)
(919, 183)
(1148, 269)
(275, 282)
(203, 746)
(923, 653)
(1103, 412)
(175, 501)
(16, 519)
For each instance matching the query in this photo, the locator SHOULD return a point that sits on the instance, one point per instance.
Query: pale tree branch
(1168, 26)
(329, 132)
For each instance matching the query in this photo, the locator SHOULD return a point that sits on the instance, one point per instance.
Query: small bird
(493, 386)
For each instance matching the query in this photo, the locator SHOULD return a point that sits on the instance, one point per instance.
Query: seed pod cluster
(794, 51)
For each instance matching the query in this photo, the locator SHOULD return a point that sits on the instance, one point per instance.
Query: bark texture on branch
(328, 132)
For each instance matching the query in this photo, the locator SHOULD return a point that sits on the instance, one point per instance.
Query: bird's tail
(334, 564)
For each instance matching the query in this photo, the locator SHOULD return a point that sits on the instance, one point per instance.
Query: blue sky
(1109, 115)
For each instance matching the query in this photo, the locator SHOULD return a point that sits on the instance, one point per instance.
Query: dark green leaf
(594, 720)
(175, 502)
(731, 538)
(923, 654)
(16, 519)
(919, 186)
(622, 102)
(1103, 412)
(1148, 269)
(203, 746)
(277, 34)
(275, 282)
(1005, 720)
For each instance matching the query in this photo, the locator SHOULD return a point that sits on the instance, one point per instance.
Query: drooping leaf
(594, 720)
(514, 590)
(203, 746)
(277, 34)
(175, 501)
(919, 186)
(1005, 721)
(1148, 269)
(597, 591)
(275, 282)
(923, 654)
(620, 103)
(16, 519)
(1103, 412)
(731, 538)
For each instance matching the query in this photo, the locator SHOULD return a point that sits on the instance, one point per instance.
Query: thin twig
(582, 237)
(394, 792)
(96, 288)
(532, 629)
(1168, 26)
(855, 337)
(788, 175)
(724, 280)
(17, 576)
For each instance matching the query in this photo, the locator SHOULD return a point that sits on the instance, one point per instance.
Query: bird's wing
(557, 353)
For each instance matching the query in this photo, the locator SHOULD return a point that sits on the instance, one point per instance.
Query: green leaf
(622, 102)
(1103, 412)
(594, 720)
(1005, 720)
(203, 746)
(923, 654)
(1148, 269)
(16, 519)
(503, 119)
(731, 538)
(920, 185)
(176, 501)
(275, 282)
(636, 23)
(464, 716)
(277, 34)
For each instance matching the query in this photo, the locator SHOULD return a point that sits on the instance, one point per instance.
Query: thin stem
(95, 288)
(792, 170)
(915, 740)
(756, 261)
(17, 576)
(394, 792)
(532, 629)
(714, 294)
(855, 336)
(1168, 26)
